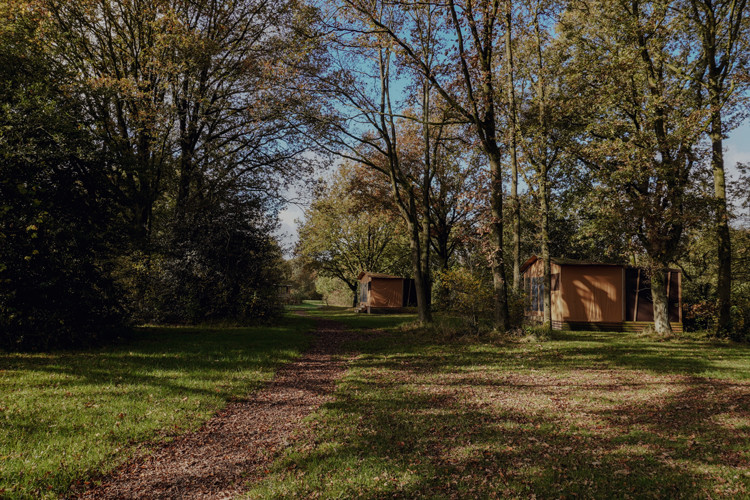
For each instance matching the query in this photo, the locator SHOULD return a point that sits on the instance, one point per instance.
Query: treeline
(143, 148)
(589, 129)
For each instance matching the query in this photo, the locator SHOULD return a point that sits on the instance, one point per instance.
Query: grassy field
(305, 305)
(66, 416)
(582, 415)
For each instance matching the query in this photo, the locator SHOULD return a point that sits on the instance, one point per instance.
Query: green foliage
(740, 320)
(466, 293)
(58, 213)
(334, 291)
(343, 235)
(302, 279)
(215, 263)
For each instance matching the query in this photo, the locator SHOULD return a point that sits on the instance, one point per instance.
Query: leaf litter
(235, 448)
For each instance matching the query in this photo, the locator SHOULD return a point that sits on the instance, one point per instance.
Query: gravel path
(233, 447)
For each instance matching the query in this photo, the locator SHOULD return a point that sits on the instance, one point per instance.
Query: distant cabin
(285, 293)
(596, 296)
(385, 293)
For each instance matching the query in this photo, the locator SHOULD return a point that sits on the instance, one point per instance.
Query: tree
(341, 236)
(193, 97)
(643, 127)
(466, 80)
(365, 125)
(723, 33)
(58, 217)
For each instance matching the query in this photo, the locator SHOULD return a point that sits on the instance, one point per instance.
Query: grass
(305, 305)
(363, 321)
(68, 416)
(581, 415)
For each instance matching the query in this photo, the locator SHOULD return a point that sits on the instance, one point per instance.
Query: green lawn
(584, 415)
(363, 321)
(66, 416)
(305, 305)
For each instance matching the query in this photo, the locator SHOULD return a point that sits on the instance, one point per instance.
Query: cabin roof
(377, 275)
(562, 261)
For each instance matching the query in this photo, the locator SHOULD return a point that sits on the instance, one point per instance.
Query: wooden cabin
(285, 293)
(596, 296)
(385, 293)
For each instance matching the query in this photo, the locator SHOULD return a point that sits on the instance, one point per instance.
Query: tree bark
(660, 300)
(722, 28)
(544, 197)
(515, 201)
(723, 242)
(424, 258)
(543, 171)
(502, 320)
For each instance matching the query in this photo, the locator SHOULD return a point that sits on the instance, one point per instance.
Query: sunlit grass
(66, 416)
(583, 415)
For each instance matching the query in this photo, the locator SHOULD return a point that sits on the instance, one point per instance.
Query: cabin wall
(591, 293)
(536, 270)
(386, 292)
(364, 291)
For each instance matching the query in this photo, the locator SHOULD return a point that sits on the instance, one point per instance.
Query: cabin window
(536, 293)
(541, 295)
(527, 289)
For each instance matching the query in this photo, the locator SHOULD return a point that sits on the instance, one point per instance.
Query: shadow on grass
(573, 420)
(599, 352)
(437, 448)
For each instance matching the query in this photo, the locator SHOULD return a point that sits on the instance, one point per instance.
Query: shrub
(466, 294)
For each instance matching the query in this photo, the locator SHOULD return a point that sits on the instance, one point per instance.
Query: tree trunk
(355, 300)
(423, 307)
(544, 197)
(723, 243)
(424, 258)
(543, 171)
(660, 300)
(502, 321)
(515, 202)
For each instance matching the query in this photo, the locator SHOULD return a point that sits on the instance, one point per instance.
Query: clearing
(580, 415)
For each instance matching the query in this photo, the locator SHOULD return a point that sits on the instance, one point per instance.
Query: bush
(334, 291)
(214, 264)
(740, 320)
(471, 295)
(59, 224)
(467, 294)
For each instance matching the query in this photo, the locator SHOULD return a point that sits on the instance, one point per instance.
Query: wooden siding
(386, 292)
(591, 294)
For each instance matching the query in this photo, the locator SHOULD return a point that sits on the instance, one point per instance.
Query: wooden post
(624, 296)
(679, 289)
(669, 287)
(637, 293)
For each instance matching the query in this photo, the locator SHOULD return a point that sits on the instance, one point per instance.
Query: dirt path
(233, 447)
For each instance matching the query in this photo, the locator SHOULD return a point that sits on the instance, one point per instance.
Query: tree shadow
(573, 423)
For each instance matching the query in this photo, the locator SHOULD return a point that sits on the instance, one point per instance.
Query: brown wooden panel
(386, 292)
(591, 293)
